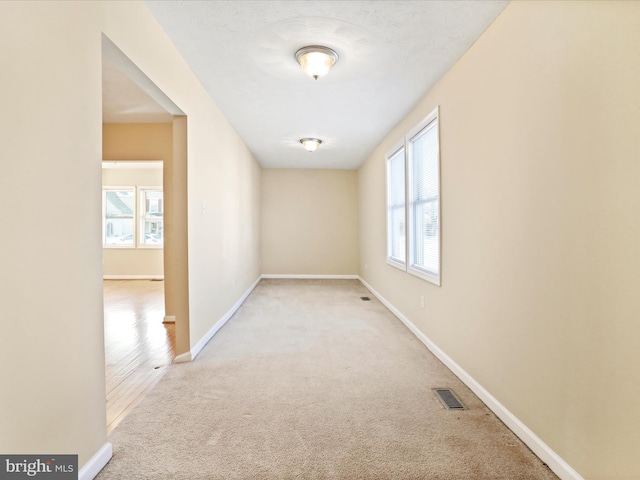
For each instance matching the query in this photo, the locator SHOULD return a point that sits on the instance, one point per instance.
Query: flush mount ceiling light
(316, 60)
(310, 144)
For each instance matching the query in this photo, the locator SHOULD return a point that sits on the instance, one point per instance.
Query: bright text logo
(50, 467)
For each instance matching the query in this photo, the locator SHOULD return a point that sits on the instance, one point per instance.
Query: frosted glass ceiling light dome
(316, 60)
(310, 144)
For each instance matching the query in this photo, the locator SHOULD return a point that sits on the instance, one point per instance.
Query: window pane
(118, 217)
(152, 218)
(427, 245)
(396, 233)
(424, 202)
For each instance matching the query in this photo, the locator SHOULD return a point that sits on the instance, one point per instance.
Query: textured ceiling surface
(390, 54)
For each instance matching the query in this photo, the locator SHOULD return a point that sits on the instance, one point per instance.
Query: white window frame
(138, 216)
(430, 121)
(399, 148)
(141, 217)
(104, 215)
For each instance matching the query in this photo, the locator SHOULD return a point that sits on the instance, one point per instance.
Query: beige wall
(132, 262)
(309, 222)
(137, 141)
(52, 347)
(539, 126)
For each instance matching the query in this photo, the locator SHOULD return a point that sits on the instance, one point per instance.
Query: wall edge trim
(92, 468)
(197, 348)
(556, 463)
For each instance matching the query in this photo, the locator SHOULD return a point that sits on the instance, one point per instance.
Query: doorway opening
(139, 347)
(143, 232)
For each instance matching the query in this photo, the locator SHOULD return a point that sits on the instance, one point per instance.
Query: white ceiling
(390, 54)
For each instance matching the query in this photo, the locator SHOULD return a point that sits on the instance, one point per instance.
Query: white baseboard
(541, 449)
(133, 277)
(310, 277)
(91, 469)
(195, 350)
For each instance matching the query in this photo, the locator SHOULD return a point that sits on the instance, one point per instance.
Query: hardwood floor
(138, 346)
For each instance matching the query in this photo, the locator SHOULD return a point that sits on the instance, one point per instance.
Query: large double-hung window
(416, 230)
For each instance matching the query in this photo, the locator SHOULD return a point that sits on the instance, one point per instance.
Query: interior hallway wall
(309, 222)
(51, 97)
(223, 178)
(539, 125)
(52, 345)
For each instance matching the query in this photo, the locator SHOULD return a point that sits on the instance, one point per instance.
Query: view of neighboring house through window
(120, 219)
(119, 208)
(151, 217)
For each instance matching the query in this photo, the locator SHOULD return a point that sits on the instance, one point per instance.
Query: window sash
(423, 162)
(118, 217)
(396, 207)
(151, 217)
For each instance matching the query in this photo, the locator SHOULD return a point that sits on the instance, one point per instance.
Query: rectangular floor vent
(448, 399)
(365, 299)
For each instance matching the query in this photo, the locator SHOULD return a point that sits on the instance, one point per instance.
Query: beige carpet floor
(307, 381)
